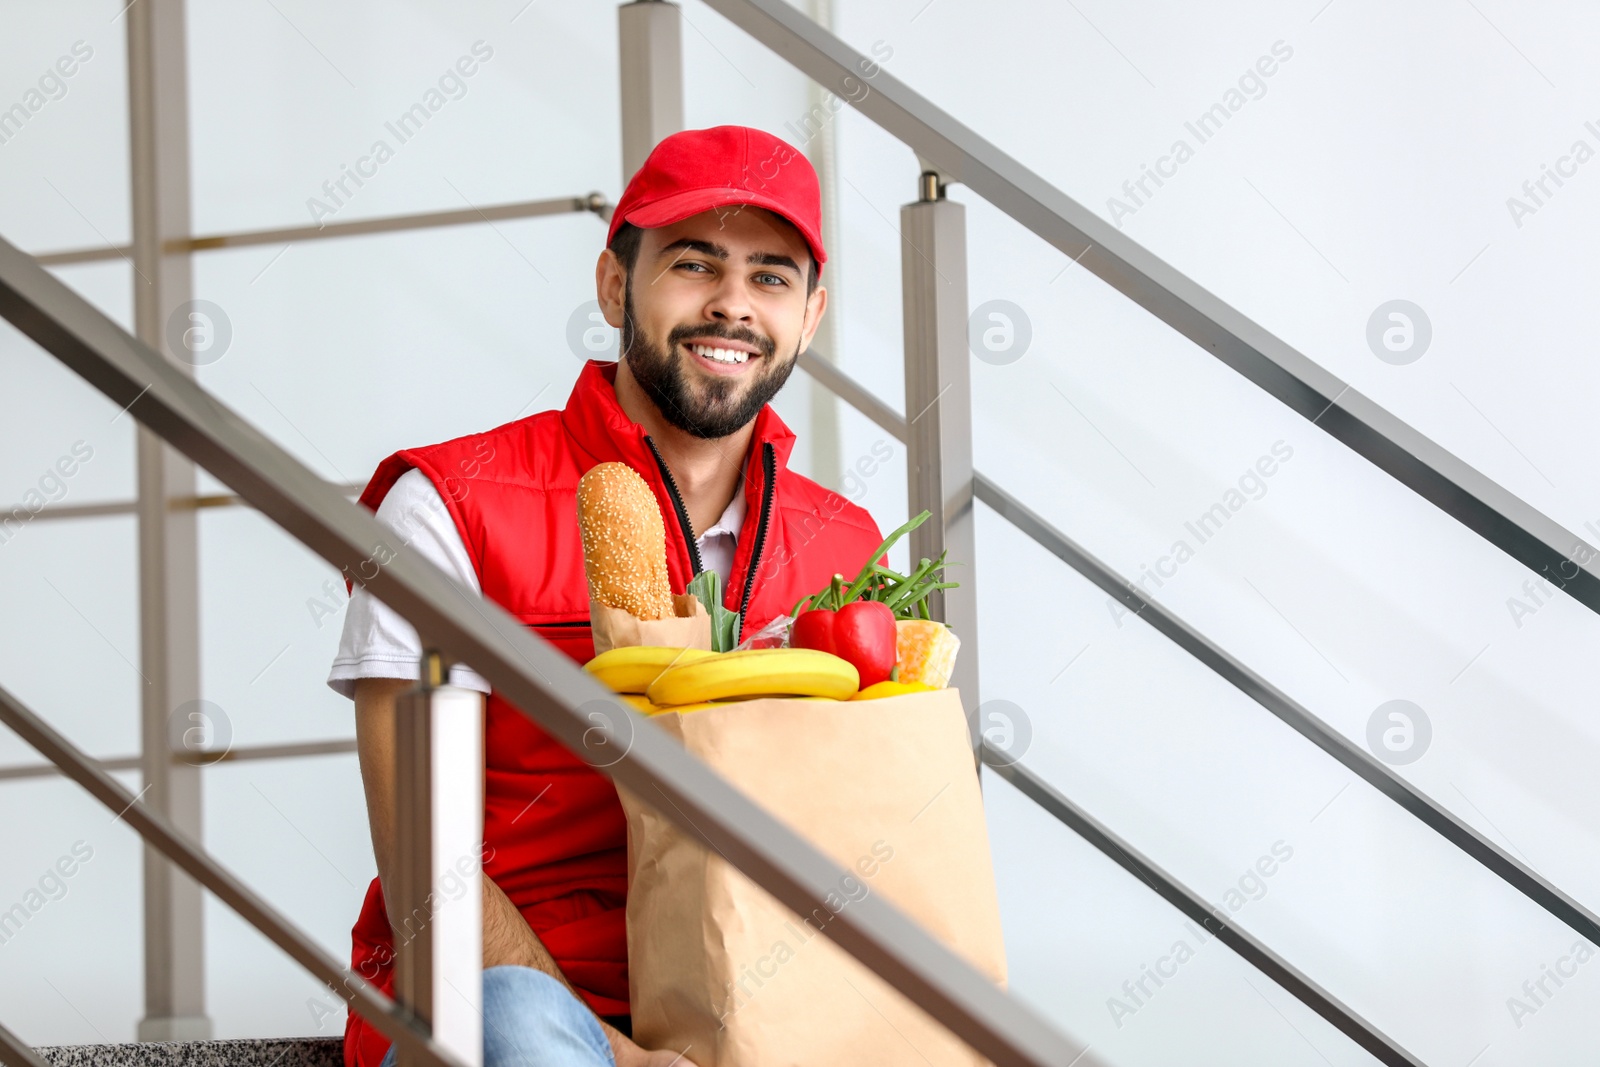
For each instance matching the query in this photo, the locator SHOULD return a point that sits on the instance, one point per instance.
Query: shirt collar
(732, 520)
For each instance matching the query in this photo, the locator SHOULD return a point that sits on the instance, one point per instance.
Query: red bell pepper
(856, 622)
(862, 633)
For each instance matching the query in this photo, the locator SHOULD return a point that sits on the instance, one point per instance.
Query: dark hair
(625, 246)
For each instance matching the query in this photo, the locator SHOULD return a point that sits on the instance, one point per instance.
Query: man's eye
(772, 279)
(696, 266)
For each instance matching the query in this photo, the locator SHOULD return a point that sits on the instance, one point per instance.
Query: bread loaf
(624, 542)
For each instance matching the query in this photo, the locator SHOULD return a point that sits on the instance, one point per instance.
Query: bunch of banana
(755, 672)
(655, 679)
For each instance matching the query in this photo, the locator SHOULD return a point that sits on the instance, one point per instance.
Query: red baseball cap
(697, 170)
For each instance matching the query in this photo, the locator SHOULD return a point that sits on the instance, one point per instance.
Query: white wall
(1375, 165)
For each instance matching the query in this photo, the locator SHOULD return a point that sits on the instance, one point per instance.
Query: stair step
(250, 1052)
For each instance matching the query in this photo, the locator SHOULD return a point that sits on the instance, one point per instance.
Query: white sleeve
(376, 641)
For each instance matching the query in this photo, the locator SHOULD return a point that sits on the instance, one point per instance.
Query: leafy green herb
(707, 588)
(906, 594)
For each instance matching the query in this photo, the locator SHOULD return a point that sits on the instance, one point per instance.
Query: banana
(631, 670)
(753, 672)
(891, 689)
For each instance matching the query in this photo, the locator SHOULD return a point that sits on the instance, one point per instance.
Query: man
(711, 271)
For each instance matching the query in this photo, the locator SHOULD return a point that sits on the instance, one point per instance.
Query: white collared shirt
(718, 541)
(377, 643)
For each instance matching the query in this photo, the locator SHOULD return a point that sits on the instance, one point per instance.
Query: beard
(719, 406)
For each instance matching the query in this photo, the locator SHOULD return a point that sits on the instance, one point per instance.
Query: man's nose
(731, 301)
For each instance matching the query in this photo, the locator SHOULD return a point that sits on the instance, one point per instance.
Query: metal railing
(650, 35)
(131, 507)
(1297, 716)
(1324, 1003)
(394, 1021)
(544, 684)
(283, 235)
(960, 155)
(198, 757)
(1418, 463)
(1507, 522)
(1211, 917)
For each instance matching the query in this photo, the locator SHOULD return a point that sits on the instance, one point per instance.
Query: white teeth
(721, 355)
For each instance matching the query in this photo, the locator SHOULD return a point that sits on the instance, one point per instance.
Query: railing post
(650, 41)
(933, 271)
(436, 897)
(169, 599)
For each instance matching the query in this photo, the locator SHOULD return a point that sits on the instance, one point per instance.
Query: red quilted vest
(553, 828)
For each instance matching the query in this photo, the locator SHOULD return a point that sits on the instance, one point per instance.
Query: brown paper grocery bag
(615, 628)
(720, 971)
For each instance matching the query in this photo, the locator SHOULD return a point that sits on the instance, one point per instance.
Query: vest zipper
(695, 566)
(769, 468)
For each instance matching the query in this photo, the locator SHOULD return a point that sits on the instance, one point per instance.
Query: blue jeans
(531, 1020)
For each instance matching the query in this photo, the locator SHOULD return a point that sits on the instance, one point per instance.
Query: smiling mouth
(719, 354)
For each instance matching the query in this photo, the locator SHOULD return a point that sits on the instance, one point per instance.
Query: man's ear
(816, 304)
(610, 282)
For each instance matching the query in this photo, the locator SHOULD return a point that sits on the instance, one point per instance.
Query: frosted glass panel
(64, 126)
(290, 95)
(273, 613)
(70, 645)
(82, 871)
(296, 831)
(1332, 186)
(50, 410)
(1386, 916)
(1125, 973)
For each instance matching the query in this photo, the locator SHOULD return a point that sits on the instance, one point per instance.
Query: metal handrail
(1459, 490)
(160, 834)
(1441, 820)
(131, 507)
(490, 213)
(198, 757)
(1296, 715)
(1364, 417)
(1164, 885)
(543, 683)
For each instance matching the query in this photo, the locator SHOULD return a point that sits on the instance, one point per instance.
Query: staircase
(170, 404)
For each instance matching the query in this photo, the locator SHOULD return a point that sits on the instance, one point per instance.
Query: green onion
(905, 594)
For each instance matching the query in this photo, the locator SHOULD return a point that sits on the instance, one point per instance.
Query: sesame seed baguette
(624, 542)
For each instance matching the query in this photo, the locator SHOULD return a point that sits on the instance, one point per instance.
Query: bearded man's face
(715, 314)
